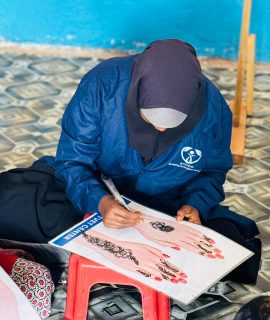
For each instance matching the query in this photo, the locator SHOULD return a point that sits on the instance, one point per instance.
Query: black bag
(33, 204)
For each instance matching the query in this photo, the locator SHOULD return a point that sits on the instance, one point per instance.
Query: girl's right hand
(116, 216)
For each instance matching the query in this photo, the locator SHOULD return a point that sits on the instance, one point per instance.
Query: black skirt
(247, 272)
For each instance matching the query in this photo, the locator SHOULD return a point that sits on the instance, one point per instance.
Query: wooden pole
(250, 72)
(241, 62)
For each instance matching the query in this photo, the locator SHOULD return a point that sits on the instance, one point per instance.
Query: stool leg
(72, 280)
(163, 305)
(149, 303)
(82, 294)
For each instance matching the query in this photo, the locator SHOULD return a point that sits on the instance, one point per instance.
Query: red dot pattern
(36, 283)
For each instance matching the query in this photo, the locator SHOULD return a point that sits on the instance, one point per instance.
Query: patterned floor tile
(260, 191)
(5, 145)
(32, 90)
(21, 133)
(260, 108)
(243, 204)
(5, 62)
(213, 73)
(264, 227)
(86, 62)
(50, 119)
(44, 105)
(262, 95)
(230, 187)
(3, 74)
(24, 147)
(49, 136)
(264, 279)
(66, 82)
(263, 122)
(10, 160)
(115, 307)
(223, 79)
(21, 77)
(48, 150)
(265, 160)
(262, 153)
(53, 66)
(253, 170)
(257, 137)
(21, 61)
(262, 82)
(5, 100)
(13, 116)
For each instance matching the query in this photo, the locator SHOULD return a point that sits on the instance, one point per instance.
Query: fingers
(127, 218)
(201, 247)
(164, 270)
(157, 266)
(188, 212)
(171, 272)
(116, 216)
(193, 217)
(180, 215)
(209, 250)
(183, 211)
(151, 272)
(122, 219)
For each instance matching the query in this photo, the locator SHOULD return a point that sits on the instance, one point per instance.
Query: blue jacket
(94, 139)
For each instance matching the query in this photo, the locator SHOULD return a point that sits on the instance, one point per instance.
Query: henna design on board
(162, 226)
(146, 274)
(207, 244)
(168, 265)
(204, 249)
(165, 271)
(208, 239)
(117, 251)
(164, 276)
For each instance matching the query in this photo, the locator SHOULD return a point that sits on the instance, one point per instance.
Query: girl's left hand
(189, 212)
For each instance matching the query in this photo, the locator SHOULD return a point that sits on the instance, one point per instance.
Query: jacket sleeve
(79, 146)
(205, 190)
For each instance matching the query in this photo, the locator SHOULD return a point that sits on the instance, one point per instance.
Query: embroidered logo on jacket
(189, 156)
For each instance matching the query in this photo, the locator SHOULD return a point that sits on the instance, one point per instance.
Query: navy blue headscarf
(167, 74)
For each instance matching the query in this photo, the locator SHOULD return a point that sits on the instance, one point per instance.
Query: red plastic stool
(84, 273)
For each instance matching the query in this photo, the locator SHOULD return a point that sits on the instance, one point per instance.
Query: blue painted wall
(212, 26)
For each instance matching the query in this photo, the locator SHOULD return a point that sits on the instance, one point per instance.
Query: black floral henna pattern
(168, 265)
(164, 276)
(146, 274)
(117, 251)
(165, 271)
(204, 249)
(208, 239)
(207, 244)
(162, 226)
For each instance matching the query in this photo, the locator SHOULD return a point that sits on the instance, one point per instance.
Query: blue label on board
(79, 229)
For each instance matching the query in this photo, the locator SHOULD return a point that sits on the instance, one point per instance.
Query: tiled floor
(34, 91)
